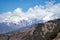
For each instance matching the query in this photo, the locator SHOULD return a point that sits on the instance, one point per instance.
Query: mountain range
(40, 31)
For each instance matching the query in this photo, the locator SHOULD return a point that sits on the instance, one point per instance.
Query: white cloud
(18, 10)
(45, 12)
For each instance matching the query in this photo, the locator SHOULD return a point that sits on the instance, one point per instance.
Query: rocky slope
(42, 31)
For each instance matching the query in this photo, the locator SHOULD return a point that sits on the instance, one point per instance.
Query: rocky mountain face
(42, 31)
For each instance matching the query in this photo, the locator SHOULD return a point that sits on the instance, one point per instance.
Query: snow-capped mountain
(15, 22)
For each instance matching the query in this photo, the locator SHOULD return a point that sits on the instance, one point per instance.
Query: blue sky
(10, 5)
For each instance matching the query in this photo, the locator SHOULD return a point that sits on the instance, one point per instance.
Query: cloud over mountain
(11, 21)
(46, 12)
